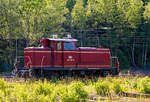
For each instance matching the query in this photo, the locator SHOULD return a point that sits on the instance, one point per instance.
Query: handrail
(113, 64)
(42, 60)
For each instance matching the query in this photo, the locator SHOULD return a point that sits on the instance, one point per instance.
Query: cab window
(59, 46)
(69, 46)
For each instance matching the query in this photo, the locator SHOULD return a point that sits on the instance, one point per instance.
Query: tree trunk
(133, 57)
(145, 56)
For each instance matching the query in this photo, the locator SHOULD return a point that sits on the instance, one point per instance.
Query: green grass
(71, 90)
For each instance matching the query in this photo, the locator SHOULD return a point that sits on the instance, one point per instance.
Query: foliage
(130, 11)
(78, 14)
(38, 16)
(144, 85)
(147, 12)
(72, 91)
(117, 88)
(101, 11)
(102, 88)
(77, 88)
(43, 88)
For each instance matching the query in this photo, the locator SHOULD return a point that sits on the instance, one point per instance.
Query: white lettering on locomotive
(70, 58)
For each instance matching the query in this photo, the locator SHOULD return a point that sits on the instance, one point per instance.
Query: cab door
(58, 55)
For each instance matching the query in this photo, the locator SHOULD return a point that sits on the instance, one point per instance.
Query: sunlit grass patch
(72, 90)
(143, 85)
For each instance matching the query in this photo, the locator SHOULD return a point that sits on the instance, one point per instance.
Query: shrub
(43, 98)
(117, 88)
(1, 95)
(20, 92)
(58, 93)
(3, 84)
(44, 88)
(144, 85)
(102, 88)
(77, 89)
(74, 92)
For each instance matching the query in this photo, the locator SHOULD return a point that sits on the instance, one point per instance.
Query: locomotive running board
(72, 69)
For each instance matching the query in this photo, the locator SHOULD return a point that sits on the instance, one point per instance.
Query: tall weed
(144, 85)
(43, 88)
(117, 88)
(103, 88)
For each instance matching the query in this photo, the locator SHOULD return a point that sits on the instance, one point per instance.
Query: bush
(4, 87)
(102, 88)
(75, 92)
(78, 90)
(117, 88)
(58, 93)
(72, 91)
(43, 98)
(144, 85)
(2, 84)
(43, 88)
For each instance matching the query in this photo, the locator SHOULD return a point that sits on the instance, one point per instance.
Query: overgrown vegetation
(71, 90)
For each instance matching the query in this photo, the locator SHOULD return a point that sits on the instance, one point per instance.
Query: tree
(102, 12)
(9, 29)
(123, 17)
(9, 19)
(147, 12)
(120, 12)
(130, 11)
(56, 12)
(79, 15)
(147, 31)
(41, 16)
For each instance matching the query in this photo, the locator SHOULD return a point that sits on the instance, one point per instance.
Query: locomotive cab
(59, 44)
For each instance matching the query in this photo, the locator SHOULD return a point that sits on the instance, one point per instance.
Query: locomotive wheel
(31, 73)
(22, 73)
(82, 74)
(18, 74)
(106, 73)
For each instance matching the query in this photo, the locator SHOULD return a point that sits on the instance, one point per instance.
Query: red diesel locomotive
(62, 57)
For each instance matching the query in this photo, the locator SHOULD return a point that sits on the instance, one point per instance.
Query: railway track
(140, 74)
(132, 73)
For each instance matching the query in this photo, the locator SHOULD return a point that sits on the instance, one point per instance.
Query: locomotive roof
(65, 40)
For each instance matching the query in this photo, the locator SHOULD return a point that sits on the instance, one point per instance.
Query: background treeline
(121, 25)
